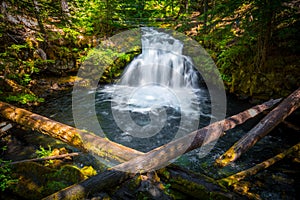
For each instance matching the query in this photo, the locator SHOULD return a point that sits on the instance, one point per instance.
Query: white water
(159, 77)
(161, 62)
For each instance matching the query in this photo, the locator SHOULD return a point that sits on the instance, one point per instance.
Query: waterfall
(161, 62)
(158, 95)
(161, 76)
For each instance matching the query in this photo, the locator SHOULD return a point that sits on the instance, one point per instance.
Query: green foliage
(239, 35)
(42, 152)
(5, 173)
(23, 98)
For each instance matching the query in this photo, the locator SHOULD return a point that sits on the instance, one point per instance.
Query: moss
(54, 186)
(226, 158)
(193, 188)
(69, 173)
(135, 182)
(165, 173)
(88, 171)
(77, 140)
(37, 181)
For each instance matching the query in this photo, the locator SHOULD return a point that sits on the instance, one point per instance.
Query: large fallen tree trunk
(83, 140)
(268, 123)
(158, 157)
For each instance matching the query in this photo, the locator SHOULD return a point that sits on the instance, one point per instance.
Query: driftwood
(158, 157)
(268, 123)
(228, 181)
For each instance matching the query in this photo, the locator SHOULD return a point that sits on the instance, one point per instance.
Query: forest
(46, 153)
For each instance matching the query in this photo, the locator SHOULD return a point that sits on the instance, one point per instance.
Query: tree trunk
(15, 87)
(83, 140)
(267, 124)
(105, 180)
(205, 10)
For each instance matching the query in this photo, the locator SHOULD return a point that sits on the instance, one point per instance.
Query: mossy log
(197, 186)
(80, 139)
(228, 181)
(157, 158)
(15, 87)
(106, 180)
(268, 123)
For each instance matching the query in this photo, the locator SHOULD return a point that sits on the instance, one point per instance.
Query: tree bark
(268, 123)
(65, 7)
(105, 180)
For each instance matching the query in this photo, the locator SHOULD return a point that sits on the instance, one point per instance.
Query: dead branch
(291, 125)
(47, 158)
(268, 123)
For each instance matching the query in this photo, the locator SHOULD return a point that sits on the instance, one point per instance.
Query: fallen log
(80, 139)
(15, 87)
(195, 185)
(105, 180)
(230, 180)
(158, 157)
(268, 123)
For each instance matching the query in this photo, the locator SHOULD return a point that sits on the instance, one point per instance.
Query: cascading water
(161, 62)
(158, 93)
